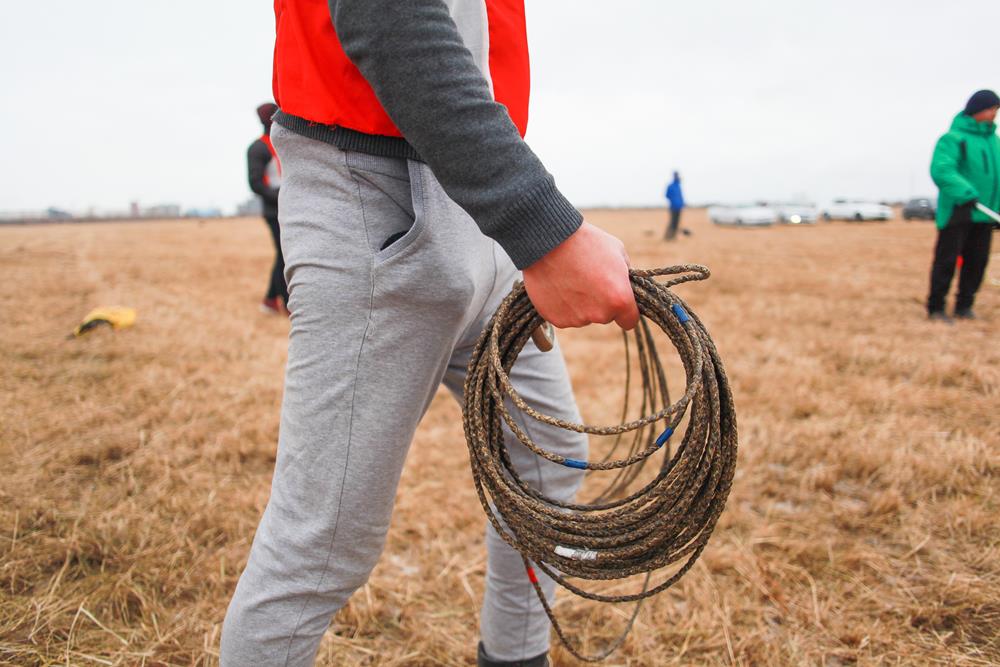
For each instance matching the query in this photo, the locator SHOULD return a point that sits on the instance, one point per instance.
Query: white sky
(154, 101)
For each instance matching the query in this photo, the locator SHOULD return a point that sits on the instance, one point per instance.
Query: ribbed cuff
(535, 224)
(348, 140)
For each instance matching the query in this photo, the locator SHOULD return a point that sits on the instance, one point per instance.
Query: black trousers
(277, 285)
(675, 222)
(972, 241)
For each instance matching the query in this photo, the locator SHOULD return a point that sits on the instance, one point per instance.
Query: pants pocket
(390, 203)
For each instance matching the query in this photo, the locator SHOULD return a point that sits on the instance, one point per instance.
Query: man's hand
(962, 213)
(583, 280)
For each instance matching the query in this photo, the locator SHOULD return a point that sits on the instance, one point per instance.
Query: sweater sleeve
(413, 56)
(258, 157)
(944, 171)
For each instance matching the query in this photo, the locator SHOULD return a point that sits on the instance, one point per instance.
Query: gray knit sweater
(413, 55)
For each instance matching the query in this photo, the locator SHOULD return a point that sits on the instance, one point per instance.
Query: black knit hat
(981, 101)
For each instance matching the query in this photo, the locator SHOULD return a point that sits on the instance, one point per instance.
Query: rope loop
(618, 534)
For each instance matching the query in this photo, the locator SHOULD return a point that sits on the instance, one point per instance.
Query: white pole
(989, 212)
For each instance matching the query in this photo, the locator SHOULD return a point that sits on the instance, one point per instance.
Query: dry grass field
(862, 528)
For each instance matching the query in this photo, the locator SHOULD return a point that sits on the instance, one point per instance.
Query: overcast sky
(154, 101)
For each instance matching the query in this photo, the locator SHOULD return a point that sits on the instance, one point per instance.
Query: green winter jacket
(966, 166)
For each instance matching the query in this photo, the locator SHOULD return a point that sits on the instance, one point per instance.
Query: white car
(747, 215)
(852, 209)
(797, 214)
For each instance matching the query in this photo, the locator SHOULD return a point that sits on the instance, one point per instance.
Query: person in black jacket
(264, 173)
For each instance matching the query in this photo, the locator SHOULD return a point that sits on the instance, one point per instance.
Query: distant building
(250, 208)
(210, 212)
(162, 211)
(23, 216)
(53, 213)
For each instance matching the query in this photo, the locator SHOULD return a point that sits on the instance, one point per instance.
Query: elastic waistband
(348, 140)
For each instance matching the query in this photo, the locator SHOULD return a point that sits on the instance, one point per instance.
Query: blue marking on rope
(573, 463)
(662, 440)
(680, 313)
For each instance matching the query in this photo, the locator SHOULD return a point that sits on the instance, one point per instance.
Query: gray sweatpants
(374, 333)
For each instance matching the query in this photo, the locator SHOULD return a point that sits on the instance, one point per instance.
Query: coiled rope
(667, 521)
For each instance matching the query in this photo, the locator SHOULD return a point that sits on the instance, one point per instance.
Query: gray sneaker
(964, 314)
(939, 316)
(483, 661)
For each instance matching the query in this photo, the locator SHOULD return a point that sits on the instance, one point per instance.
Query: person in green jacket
(966, 169)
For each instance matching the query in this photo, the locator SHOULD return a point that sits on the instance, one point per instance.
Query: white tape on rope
(576, 554)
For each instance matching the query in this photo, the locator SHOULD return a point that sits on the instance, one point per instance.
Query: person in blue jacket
(675, 199)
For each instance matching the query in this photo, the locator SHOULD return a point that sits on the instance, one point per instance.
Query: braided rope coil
(666, 522)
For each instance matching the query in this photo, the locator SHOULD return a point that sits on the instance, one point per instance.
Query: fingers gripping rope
(670, 519)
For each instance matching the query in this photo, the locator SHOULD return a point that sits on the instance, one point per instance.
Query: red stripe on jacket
(266, 138)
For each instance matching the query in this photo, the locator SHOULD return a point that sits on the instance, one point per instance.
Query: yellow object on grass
(117, 317)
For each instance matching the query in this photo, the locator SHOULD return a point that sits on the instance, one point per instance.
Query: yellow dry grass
(862, 527)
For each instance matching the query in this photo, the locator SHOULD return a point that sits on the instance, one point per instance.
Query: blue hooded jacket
(674, 194)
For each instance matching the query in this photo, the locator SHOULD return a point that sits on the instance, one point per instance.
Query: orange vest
(315, 80)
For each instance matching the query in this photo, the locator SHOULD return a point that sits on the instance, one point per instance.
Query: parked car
(856, 209)
(920, 209)
(796, 214)
(751, 215)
